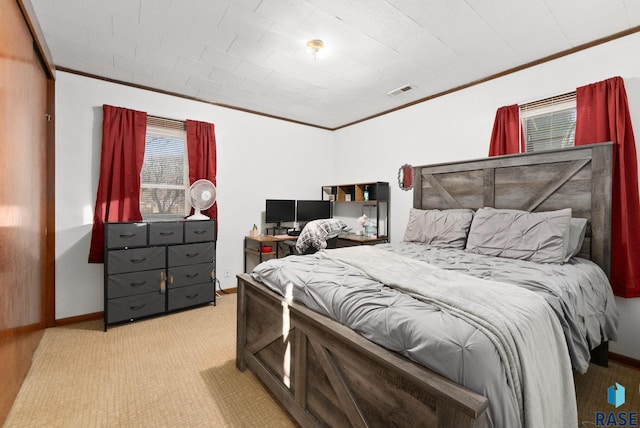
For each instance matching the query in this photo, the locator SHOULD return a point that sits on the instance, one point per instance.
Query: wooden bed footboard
(325, 374)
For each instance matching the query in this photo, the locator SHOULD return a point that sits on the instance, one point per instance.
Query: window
(164, 179)
(549, 123)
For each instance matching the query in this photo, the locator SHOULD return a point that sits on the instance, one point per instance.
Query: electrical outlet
(227, 273)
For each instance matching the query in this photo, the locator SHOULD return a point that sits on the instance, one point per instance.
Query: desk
(250, 243)
(351, 239)
(254, 244)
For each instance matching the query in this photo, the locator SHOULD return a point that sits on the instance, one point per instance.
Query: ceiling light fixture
(314, 46)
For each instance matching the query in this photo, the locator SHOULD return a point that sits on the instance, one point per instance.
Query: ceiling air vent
(400, 90)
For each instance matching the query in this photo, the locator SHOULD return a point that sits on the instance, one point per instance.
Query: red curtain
(506, 137)
(201, 148)
(118, 197)
(603, 115)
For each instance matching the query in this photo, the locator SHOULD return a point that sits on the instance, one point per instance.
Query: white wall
(254, 163)
(458, 127)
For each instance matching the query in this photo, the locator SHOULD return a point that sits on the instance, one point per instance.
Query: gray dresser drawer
(121, 261)
(179, 276)
(144, 261)
(140, 305)
(183, 297)
(189, 254)
(199, 231)
(165, 233)
(121, 235)
(128, 284)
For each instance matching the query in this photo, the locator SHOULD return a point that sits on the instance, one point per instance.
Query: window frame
(170, 129)
(547, 107)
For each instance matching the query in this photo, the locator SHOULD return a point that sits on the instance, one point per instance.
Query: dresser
(156, 267)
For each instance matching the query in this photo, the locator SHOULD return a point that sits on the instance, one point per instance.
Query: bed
(327, 374)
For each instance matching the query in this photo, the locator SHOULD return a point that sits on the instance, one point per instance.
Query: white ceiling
(251, 54)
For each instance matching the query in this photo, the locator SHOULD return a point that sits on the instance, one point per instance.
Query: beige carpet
(179, 371)
(172, 371)
(592, 388)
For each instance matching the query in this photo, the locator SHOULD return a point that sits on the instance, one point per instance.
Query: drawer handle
(192, 296)
(127, 235)
(199, 232)
(191, 255)
(192, 275)
(138, 260)
(166, 233)
(137, 308)
(163, 284)
(137, 284)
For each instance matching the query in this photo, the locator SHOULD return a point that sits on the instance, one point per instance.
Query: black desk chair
(292, 246)
(331, 243)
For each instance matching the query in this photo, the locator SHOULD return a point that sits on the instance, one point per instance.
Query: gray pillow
(537, 237)
(577, 229)
(442, 229)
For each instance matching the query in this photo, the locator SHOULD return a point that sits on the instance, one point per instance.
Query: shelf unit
(378, 192)
(349, 201)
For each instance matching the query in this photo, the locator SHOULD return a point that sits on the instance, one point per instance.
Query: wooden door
(26, 282)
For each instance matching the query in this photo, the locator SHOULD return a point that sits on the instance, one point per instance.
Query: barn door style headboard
(578, 178)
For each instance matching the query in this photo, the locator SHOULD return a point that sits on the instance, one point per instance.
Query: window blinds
(549, 123)
(164, 178)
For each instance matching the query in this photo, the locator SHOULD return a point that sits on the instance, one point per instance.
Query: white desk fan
(202, 196)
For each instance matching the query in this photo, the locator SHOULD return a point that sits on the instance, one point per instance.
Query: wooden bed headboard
(578, 178)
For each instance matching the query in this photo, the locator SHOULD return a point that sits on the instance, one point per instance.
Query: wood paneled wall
(26, 198)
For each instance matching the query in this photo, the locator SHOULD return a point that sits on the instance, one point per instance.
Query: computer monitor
(313, 210)
(280, 210)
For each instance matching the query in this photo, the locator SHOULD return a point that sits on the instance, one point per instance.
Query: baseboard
(100, 315)
(624, 360)
(16, 331)
(80, 318)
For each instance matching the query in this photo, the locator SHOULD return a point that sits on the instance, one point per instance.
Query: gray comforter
(430, 329)
(577, 291)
